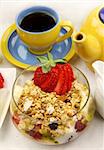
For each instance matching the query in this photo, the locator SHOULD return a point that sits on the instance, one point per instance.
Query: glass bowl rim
(34, 67)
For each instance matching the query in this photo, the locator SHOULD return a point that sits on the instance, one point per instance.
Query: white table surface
(75, 11)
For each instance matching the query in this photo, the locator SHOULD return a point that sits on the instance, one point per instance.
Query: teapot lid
(101, 15)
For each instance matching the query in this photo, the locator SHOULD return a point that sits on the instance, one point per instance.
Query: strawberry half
(61, 80)
(1, 81)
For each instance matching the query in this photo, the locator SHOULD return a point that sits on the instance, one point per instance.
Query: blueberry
(53, 126)
(56, 142)
(67, 100)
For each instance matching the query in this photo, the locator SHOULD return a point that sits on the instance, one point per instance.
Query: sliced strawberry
(46, 81)
(1, 84)
(44, 86)
(58, 79)
(1, 81)
(70, 76)
(71, 72)
(65, 86)
(1, 77)
(61, 80)
(54, 79)
(39, 76)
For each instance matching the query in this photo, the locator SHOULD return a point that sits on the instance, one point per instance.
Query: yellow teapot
(89, 42)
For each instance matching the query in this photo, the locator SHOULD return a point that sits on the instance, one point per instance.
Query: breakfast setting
(52, 75)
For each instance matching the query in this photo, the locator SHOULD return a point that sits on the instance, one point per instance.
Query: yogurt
(99, 91)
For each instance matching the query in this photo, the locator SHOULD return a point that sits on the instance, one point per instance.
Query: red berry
(39, 76)
(44, 86)
(53, 79)
(35, 135)
(71, 72)
(79, 126)
(61, 80)
(1, 84)
(1, 77)
(70, 76)
(16, 119)
(46, 81)
(65, 86)
(1, 81)
(35, 132)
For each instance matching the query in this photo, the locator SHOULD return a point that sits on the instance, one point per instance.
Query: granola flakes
(51, 116)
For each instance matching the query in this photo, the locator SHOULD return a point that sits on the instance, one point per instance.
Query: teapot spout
(79, 40)
(87, 47)
(79, 37)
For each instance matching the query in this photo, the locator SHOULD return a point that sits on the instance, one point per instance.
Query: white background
(76, 11)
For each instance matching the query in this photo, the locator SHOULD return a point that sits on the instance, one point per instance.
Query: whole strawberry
(53, 75)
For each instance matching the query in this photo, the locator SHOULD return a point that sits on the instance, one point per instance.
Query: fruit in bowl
(7, 78)
(1, 81)
(52, 104)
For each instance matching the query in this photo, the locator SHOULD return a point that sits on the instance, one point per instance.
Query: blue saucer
(18, 54)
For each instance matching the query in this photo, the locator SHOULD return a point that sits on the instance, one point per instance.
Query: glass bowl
(47, 117)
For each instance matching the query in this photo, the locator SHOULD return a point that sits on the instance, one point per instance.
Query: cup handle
(66, 35)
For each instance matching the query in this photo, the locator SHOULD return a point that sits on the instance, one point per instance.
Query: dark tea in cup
(38, 22)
